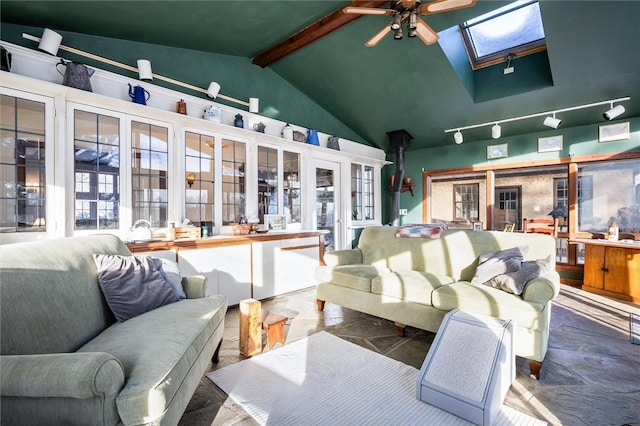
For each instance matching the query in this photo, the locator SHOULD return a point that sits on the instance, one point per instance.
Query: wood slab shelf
(405, 188)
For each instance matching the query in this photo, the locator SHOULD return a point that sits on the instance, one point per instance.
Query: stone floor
(591, 374)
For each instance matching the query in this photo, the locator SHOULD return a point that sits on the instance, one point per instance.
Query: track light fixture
(550, 121)
(496, 131)
(457, 137)
(613, 112)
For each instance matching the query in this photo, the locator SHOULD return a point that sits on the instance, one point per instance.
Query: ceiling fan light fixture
(552, 121)
(496, 131)
(412, 26)
(398, 34)
(396, 24)
(457, 137)
(613, 112)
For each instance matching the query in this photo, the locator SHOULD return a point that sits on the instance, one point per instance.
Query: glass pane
(22, 165)
(325, 205)
(267, 182)
(292, 194)
(368, 193)
(356, 192)
(609, 192)
(199, 179)
(233, 184)
(450, 206)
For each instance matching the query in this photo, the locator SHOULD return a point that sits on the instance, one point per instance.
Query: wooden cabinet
(612, 269)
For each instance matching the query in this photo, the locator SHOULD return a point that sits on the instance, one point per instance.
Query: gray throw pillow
(132, 285)
(171, 273)
(514, 282)
(494, 264)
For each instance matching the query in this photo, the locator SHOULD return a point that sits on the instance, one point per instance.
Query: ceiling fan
(406, 12)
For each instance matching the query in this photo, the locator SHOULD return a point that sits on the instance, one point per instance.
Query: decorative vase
(238, 121)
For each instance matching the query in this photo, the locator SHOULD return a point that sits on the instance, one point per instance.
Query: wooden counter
(612, 268)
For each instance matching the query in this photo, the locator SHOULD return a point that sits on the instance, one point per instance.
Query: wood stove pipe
(400, 141)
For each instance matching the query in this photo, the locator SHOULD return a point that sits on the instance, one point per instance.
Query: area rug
(325, 380)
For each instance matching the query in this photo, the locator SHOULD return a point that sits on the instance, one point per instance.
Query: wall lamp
(550, 120)
(191, 177)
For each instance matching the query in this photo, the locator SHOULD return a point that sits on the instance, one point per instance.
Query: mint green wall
(581, 141)
(237, 76)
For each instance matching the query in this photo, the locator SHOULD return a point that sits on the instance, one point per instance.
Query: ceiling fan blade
(425, 32)
(438, 6)
(367, 11)
(378, 36)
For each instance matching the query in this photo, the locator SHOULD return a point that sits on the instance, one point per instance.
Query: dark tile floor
(591, 374)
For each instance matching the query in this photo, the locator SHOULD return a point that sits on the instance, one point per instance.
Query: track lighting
(613, 112)
(457, 137)
(496, 131)
(549, 121)
(552, 121)
(144, 70)
(397, 22)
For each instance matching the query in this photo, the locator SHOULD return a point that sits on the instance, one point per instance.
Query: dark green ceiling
(592, 55)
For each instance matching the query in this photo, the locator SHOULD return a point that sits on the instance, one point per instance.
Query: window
(267, 182)
(22, 165)
(97, 167)
(515, 29)
(292, 196)
(199, 179)
(466, 202)
(149, 149)
(234, 164)
(362, 192)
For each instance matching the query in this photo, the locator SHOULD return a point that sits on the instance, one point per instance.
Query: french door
(328, 213)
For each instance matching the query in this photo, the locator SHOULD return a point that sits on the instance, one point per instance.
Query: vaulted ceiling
(592, 55)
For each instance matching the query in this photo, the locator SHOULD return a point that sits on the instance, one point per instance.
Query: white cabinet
(228, 269)
(284, 265)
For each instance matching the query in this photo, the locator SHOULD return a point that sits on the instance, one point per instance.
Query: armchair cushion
(132, 285)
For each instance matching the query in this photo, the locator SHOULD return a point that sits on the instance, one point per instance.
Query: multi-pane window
(368, 193)
(200, 179)
(234, 164)
(267, 182)
(362, 192)
(356, 192)
(22, 165)
(97, 169)
(149, 181)
(292, 197)
(466, 202)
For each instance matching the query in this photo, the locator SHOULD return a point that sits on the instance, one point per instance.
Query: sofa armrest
(195, 286)
(79, 375)
(343, 257)
(542, 289)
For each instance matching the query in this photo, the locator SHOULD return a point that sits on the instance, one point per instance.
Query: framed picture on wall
(497, 151)
(550, 143)
(614, 132)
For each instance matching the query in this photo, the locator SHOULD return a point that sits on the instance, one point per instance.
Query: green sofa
(416, 281)
(66, 361)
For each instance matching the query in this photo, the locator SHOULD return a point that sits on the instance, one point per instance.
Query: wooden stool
(273, 324)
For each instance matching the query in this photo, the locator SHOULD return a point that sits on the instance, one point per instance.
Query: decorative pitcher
(312, 137)
(138, 95)
(76, 75)
(238, 121)
(259, 127)
(6, 59)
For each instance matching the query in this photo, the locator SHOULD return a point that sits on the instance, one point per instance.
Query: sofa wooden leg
(534, 369)
(400, 329)
(216, 355)
(320, 304)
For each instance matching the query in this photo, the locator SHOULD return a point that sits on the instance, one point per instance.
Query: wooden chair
(541, 226)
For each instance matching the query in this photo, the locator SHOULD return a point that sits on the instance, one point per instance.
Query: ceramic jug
(138, 95)
(212, 113)
(287, 132)
(76, 75)
(312, 137)
(259, 127)
(6, 59)
(238, 121)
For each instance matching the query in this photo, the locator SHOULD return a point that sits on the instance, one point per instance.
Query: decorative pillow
(132, 285)
(494, 264)
(171, 273)
(423, 230)
(514, 282)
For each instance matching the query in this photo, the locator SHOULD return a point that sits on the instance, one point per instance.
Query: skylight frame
(516, 51)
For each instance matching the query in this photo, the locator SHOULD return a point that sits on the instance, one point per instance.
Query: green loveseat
(416, 281)
(66, 361)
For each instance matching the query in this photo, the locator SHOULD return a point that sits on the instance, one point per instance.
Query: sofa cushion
(132, 285)
(514, 282)
(493, 264)
(357, 277)
(412, 286)
(485, 300)
(157, 350)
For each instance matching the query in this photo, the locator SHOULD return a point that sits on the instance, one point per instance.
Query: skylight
(513, 29)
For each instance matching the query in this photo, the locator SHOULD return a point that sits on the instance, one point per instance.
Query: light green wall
(581, 141)
(237, 76)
